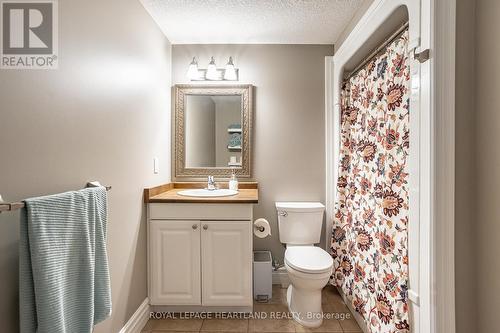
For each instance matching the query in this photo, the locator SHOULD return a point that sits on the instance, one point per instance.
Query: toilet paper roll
(261, 228)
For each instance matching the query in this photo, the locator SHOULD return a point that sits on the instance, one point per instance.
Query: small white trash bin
(262, 276)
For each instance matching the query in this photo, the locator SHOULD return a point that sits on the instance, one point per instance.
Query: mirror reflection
(213, 131)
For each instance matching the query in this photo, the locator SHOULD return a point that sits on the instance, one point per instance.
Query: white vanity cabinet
(175, 262)
(226, 256)
(200, 255)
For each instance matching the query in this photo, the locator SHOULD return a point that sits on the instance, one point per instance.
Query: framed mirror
(213, 127)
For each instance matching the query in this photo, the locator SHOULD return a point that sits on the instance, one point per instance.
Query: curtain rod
(7, 207)
(378, 50)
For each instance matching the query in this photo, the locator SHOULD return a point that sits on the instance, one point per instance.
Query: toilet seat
(308, 259)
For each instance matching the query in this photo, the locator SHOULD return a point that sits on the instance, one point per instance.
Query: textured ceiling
(252, 21)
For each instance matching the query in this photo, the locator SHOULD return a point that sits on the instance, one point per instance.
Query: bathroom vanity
(200, 248)
(199, 235)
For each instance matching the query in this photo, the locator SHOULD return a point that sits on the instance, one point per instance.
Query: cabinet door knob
(195, 226)
(205, 227)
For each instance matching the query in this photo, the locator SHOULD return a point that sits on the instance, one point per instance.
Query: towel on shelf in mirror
(235, 140)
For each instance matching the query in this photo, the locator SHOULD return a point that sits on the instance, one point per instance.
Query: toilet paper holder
(261, 229)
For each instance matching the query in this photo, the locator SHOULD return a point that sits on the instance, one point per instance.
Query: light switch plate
(156, 166)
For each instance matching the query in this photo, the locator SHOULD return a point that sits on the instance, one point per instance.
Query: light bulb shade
(193, 73)
(212, 70)
(230, 72)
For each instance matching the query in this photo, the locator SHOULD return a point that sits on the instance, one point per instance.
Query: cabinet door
(175, 263)
(227, 263)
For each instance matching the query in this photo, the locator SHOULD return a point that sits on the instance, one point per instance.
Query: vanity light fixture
(230, 73)
(212, 73)
(193, 73)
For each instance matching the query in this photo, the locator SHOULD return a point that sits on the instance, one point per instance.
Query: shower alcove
(430, 263)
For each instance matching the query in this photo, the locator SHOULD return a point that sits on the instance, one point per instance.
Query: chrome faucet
(211, 185)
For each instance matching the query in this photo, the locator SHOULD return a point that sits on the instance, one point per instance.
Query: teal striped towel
(63, 265)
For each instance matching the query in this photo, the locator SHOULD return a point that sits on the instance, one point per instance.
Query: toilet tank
(300, 223)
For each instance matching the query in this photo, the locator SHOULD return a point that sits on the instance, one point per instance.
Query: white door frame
(432, 139)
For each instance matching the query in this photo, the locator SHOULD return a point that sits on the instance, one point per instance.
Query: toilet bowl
(309, 269)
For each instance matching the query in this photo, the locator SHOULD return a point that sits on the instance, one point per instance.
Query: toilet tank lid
(300, 206)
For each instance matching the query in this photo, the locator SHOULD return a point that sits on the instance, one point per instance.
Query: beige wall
(103, 115)
(487, 219)
(228, 110)
(289, 132)
(200, 131)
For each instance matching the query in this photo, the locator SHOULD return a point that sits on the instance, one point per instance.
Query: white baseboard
(138, 320)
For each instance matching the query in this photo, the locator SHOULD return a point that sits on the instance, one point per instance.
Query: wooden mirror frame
(179, 151)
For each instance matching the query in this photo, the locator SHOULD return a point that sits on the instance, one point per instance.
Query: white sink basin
(201, 192)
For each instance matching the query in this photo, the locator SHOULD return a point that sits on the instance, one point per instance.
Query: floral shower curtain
(369, 243)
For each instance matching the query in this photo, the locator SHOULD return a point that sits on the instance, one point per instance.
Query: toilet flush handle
(282, 213)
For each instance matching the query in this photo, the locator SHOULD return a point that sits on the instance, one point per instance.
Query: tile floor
(332, 303)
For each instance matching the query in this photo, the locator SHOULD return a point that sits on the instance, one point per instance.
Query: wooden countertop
(248, 192)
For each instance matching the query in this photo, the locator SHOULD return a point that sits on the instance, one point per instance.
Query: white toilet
(308, 267)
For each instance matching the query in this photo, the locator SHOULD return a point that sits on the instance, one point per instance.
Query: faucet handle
(211, 183)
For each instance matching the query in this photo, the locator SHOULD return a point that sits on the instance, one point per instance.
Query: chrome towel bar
(10, 206)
